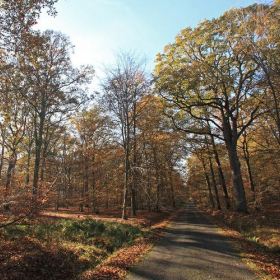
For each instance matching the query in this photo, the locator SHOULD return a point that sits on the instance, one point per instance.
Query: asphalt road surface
(192, 249)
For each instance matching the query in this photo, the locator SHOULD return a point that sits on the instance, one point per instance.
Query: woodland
(203, 127)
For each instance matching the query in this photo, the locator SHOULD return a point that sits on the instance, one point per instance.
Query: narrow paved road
(192, 249)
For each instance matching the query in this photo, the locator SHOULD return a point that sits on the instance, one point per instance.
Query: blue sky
(100, 28)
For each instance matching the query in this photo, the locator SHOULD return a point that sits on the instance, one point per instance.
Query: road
(192, 249)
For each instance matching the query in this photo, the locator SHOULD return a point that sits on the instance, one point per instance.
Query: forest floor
(68, 244)
(60, 244)
(256, 236)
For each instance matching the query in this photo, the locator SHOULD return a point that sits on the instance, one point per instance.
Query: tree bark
(95, 206)
(214, 184)
(27, 179)
(45, 145)
(230, 136)
(11, 165)
(38, 143)
(86, 174)
(2, 158)
(127, 173)
(149, 187)
(241, 202)
(208, 183)
(158, 184)
(248, 164)
(172, 187)
(221, 174)
(57, 198)
(134, 172)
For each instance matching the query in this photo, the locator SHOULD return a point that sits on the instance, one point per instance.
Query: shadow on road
(192, 248)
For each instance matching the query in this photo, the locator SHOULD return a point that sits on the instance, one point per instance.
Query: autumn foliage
(205, 127)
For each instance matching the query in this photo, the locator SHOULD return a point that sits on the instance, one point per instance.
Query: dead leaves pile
(26, 259)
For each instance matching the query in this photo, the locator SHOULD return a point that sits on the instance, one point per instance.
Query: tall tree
(53, 87)
(206, 76)
(124, 85)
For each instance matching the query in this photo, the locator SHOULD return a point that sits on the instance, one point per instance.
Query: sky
(101, 28)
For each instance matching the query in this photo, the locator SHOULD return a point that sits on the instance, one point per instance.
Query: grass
(67, 244)
(60, 245)
(87, 231)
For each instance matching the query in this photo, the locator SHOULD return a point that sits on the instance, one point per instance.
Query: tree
(124, 85)
(260, 32)
(160, 152)
(50, 84)
(17, 19)
(200, 156)
(94, 133)
(13, 129)
(14, 114)
(206, 76)
(220, 171)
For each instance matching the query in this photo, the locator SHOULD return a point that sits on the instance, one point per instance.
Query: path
(192, 249)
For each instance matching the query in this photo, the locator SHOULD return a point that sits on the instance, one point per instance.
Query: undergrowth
(77, 245)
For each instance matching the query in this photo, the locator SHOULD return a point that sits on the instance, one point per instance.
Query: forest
(203, 127)
(61, 146)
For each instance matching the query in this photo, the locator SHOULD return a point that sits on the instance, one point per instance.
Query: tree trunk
(38, 144)
(214, 184)
(43, 165)
(221, 174)
(149, 185)
(213, 175)
(149, 193)
(11, 165)
(86, 175)
(57, 198)
(27, 179)
(239, 192)
(124, 206)
(2, 158)
(69, 190)
(247, 160)
(157, 204)
(172, 187)
(133, 200)
(43, 159)
(37, 165)
(126, 179)
(230, 136)
(134, 172)
(208, 183)
(95, 208)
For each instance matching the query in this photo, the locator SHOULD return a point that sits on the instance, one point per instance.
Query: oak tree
(206, 76)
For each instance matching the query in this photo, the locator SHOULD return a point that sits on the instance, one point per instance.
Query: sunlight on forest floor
(66, 244)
